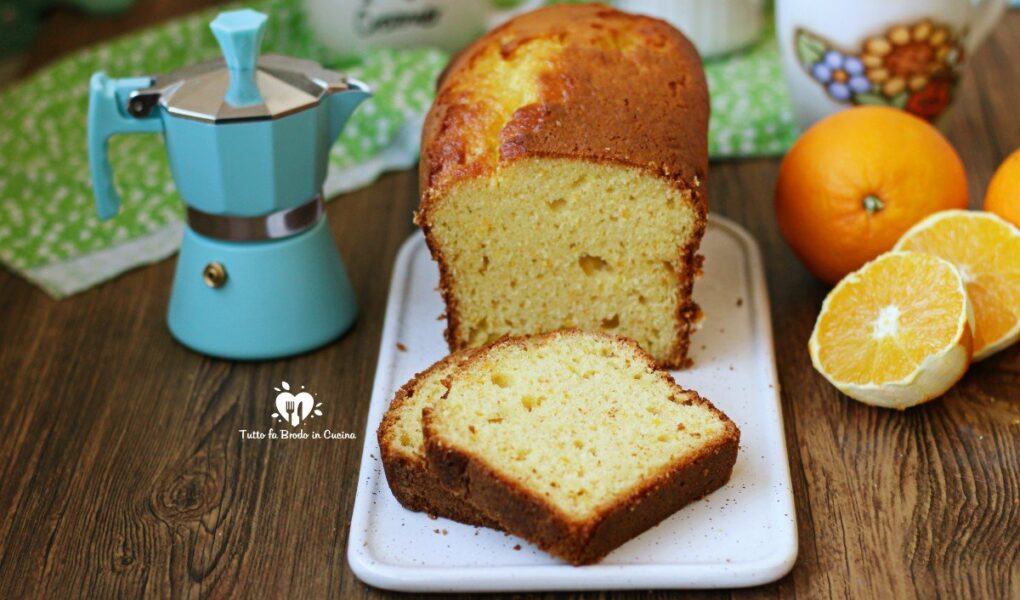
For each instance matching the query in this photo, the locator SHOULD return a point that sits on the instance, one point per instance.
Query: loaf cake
(575, 441)
(402, 447)
(563, 180)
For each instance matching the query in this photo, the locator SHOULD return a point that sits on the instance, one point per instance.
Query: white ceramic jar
(715, 26)
(350, 27)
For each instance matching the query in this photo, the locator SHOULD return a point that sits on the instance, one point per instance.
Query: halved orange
(986, 250)
(896, 332)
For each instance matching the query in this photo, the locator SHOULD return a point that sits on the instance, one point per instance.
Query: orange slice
(986, 250)
(896, 332)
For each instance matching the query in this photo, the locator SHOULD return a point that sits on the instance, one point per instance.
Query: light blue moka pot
(248, 138)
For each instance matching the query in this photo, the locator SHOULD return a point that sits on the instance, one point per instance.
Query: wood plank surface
(122, 472)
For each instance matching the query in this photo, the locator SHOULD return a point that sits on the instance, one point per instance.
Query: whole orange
(1003, 195)
(857, 180)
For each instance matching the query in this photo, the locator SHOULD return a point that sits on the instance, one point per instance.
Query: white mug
(349, 27)
(906, 54)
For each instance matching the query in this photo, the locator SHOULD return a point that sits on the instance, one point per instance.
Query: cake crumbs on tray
(401, 347)
(517, 547)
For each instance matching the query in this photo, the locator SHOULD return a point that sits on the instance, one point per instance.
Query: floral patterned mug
(906, 54)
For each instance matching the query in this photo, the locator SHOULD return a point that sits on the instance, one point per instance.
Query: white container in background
(715, 26)
(350, 27)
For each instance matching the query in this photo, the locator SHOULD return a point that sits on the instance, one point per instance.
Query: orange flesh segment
(882, 324)
(987, 253)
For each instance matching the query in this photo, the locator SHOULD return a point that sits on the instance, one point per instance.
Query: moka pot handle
(112, 110)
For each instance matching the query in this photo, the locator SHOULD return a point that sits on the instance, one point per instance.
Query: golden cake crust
(524, 512)
(612, 88)
(621, 88)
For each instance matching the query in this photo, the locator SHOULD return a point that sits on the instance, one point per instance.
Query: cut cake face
(575, 441)
(547, 244)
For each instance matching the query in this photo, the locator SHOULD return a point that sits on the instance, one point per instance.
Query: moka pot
(248, 137)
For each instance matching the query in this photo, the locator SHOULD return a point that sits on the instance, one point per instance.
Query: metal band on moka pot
(276, 225)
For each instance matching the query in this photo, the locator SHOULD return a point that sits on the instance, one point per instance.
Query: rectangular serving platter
(742, 535)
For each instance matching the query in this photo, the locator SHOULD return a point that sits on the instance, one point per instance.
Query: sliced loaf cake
(403, 451)
(563, 175)
(575, 441)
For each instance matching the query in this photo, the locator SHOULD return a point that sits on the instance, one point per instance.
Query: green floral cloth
(49, 232)
(751, 110)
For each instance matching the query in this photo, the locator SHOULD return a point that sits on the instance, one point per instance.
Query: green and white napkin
(49, 232)
(751, 110)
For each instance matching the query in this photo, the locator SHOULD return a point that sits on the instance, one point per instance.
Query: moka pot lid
(242, 86)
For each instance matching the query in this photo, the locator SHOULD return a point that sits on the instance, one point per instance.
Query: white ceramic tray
(743, 534)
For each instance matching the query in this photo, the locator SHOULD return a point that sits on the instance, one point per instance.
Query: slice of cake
(403, 452)
(563, 178)
(575, 441)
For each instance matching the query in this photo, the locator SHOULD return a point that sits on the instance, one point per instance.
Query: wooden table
(122, 473)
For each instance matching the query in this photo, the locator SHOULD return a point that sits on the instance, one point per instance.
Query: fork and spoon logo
(294, 408)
